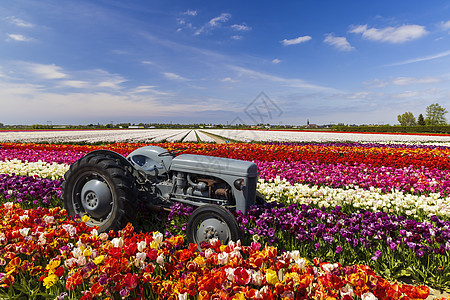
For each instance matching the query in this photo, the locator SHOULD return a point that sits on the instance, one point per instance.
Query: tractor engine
(201, 187)
(200, 179)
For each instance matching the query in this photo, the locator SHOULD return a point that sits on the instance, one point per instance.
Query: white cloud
(241, 27)
(276, 61)
(420, 59)
(56, 77)
(173, 76)
(339, 43)
(112, 84)
(406, 95)
(183, 23)
(394, 35)
(402, 81)
(300, 39)
(100, 79)
(229, 79)
(445, 25)
(75, 83)
(214, 22)
(143, 89)
(413, 80)
(10, 90)
(149, 89)
(46, 71)
(18, 38)
(359, 95)
(224, 17)
(237, 37)
(26, 103)
(294, 83)
(376, 83)
(19, 22)
(190, 12)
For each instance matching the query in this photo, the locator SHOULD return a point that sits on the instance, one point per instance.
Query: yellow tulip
(271, 276)
(50, 280)
(98, 260)
(88, 251)
(52, 265)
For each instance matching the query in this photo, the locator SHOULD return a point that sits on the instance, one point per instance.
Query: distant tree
(435, 115)
(407, 119)
(1, 125)
(421, 120)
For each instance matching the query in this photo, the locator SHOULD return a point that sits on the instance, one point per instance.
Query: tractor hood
(202, 164)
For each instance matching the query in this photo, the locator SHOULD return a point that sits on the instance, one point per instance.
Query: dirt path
(215, 138)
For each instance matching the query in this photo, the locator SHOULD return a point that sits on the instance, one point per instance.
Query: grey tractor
(109, 188)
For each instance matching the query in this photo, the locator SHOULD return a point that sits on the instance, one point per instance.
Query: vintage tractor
(109, 188)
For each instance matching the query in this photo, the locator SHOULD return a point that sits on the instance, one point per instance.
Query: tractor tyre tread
(123, 185)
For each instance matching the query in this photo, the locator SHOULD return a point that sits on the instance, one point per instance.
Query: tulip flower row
(407, 179)
(397, 156)
(321, 136)
(95, 136)
(42, 252)
(61, 154)
(41, 169)
(420, 207)
(30, 190)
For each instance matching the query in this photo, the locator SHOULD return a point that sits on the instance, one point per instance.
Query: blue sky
(352, 62)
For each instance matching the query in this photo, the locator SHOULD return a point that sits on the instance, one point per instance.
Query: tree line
(435, 115)
(433, 122)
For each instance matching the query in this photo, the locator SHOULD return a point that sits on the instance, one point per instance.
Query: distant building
(311, 125)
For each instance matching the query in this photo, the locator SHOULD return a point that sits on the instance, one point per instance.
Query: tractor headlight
(239, 184)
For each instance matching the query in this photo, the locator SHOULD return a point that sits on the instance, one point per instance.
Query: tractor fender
(111, 154)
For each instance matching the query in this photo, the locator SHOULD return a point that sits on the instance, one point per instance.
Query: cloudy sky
(278, 62)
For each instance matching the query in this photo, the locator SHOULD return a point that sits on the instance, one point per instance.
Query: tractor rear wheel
(212, 222)
(260, 200)
(103, 189)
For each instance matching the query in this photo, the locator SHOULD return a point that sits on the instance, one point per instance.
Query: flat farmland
(207, 136)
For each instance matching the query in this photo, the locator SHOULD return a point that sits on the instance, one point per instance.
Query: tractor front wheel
(212, 222)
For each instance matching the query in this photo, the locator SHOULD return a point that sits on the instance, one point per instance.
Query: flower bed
(393, 246)
(49, 255)
(30, 190)
(420, 207)
(374, 207)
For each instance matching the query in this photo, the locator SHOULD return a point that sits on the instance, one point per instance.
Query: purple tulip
(376, 255)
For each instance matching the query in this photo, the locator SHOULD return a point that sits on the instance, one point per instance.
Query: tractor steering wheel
(172, 152)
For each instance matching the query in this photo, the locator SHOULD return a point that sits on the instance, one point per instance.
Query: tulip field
(345, 218)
